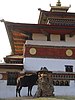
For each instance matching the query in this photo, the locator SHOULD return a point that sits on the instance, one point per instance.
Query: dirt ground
(43, 98)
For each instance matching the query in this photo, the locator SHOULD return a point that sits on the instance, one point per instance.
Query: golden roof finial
(58, 3)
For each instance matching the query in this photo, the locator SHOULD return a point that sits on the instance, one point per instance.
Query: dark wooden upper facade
(18, 33)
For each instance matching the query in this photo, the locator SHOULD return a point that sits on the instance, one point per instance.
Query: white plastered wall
(34, 64)
(39, 37)
(55, 37)
(70, 39)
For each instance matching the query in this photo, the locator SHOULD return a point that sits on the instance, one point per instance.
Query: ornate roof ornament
(59, 8)
(58, 3)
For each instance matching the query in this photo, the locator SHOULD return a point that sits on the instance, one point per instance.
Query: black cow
(26, 81)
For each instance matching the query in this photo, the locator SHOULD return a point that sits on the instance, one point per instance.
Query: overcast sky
(23, 11)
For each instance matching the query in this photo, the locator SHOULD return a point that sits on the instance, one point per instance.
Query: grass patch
(65, 97)
(57, 98)
(43, 98)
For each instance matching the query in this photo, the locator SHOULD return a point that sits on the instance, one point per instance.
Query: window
(67, 83)
(30, 36)
(48, 37)
(62, 37)
(61, 82)
(68, 68)
(57, 83)
(11, 78)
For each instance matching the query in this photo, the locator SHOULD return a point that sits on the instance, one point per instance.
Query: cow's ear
(41, 68)
(45, 68)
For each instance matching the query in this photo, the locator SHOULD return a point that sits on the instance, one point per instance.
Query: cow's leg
(30, 90)
(19, 91)
(16, 92)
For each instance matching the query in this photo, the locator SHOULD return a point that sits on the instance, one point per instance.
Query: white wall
(70, 39)
(6, 91)
(39, 37)
(65, 90)
(34, 64)
(9, 91)
(55, 37)
(42, 37)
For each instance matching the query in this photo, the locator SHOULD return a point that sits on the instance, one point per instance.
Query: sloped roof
(44, 15)
(18, 33)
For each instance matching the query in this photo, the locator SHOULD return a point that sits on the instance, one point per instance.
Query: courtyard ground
(43, 98)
